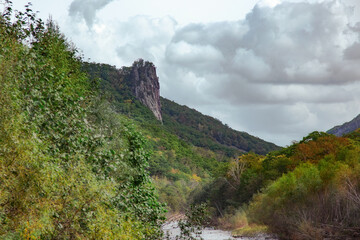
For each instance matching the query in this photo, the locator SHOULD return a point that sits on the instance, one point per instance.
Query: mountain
(208, 132)
(189, 149)
(139, 83)
(145, 86)
(133, 90)
(346, 128)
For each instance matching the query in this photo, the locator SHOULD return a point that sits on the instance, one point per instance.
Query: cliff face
(139, 82)
(346, 128)
(145, 86)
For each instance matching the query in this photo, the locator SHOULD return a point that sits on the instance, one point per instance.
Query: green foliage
(115, 85)
(319, 198)
(177, 166)
(207, 132)
(306, 191)
(197, 217)
(292, 175)
(175, 159)
(65, 173)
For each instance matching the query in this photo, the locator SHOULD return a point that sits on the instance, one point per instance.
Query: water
(209, 234)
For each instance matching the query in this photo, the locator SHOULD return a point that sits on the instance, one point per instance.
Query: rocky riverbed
(210, 234)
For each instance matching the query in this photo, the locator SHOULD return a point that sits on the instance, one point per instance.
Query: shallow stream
(209, 234)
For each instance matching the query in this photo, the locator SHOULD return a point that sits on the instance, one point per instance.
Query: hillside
(89, 151)
(309, 190)
(188, 124)
(70, 167)
(346, 128)
(208, 132)
(188, 148)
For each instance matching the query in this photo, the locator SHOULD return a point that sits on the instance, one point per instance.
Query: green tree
(60, 178)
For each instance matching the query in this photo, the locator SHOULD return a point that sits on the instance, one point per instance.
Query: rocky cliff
(346, 128)
(145, 86)
(134, 90)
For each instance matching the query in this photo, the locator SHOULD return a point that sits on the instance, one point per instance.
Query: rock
(346, 128)
(145, 86)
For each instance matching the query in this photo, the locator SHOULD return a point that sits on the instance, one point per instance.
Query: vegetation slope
(188, 124)
(309, 190)
(208, 132)
(70, 167)
(73, 164)
(189, 149)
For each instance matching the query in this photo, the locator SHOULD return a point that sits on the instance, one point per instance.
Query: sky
(277, 69)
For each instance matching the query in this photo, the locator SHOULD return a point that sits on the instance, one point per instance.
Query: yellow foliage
(152, 138)
(196, 177)
(174, 171)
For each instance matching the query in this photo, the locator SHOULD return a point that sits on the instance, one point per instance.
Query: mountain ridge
(346, 128)
(199, 128)
(188, 124)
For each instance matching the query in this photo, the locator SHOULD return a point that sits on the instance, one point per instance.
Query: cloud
(120, 43)
(288, 68)
(268, 3)
(143, 37)
(87, 9)
(275, 65)
(353, 52)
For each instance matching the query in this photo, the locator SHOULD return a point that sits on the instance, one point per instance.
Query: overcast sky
(277, 69)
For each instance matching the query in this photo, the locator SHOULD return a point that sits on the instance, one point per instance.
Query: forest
(309, 190)
(82, 158)
(70, 167)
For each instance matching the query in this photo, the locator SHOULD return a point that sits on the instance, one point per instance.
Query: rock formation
(346, 128)
(145, 86)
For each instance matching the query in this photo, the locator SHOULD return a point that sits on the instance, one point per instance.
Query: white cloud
(273, 71)
(249, 65)
(143, 37)
(87, 9)
(268, 3)
(289, 67)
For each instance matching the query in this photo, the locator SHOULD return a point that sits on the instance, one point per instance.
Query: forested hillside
(177, 166)
(70, 166)
(208, 132)
(189, 149)
(190, 125)
(309, 190)
(84, 156)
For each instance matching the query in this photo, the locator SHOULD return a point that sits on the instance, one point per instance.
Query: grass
(238, 220)
(252, 230)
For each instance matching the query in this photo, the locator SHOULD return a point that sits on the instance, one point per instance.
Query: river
(210, 234)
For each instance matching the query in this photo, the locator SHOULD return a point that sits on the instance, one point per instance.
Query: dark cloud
(353, 52)
(87, 9)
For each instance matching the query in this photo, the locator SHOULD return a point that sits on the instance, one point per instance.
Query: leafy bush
(196, 218)
(319, 199)
(60, 177)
